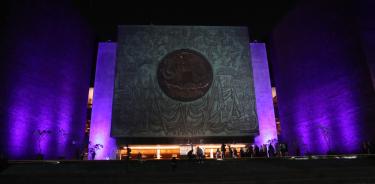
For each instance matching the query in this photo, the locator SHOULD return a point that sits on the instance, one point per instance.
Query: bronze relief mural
(183, 81)
(184, 75)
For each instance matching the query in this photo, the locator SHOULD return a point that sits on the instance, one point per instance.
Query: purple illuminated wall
(263, 94)
(100, 128)
(326, 100)
(45, 71)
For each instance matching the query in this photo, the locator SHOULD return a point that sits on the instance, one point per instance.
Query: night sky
(260, 16)
(104, 16)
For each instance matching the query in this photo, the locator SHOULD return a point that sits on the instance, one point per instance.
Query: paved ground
(319, 171)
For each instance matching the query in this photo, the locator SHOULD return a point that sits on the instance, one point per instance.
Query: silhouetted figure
(223, 150)
(230, 152)
(128, 152)
(174, 163)
(262, 151)
(190, 155)
(271, 151)
(278, 152)
(370, 147)
(200, 155)
(93, 154)
(284, 149)
(367, 148)
(256, 151)
(235, 155)
(139, 156)
(82, 155)
(364, 148)
(242, 153)
(250, 151)
(218, 154)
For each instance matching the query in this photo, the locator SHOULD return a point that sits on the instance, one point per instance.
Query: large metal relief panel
(179, 81)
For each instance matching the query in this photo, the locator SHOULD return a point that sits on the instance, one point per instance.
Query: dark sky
(260, 15)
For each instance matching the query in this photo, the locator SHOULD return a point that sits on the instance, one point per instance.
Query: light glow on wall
(100, 129)
(263, 94)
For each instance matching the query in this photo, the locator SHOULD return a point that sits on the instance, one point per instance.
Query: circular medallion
(184, 75)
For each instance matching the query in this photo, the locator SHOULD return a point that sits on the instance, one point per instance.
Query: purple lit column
(100, 128)
(263, 94)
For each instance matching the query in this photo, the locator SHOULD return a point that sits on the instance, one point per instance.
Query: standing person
(250, 151)
(282, 149)
(200, 155)
(285, 147)
(230, 152)
(370, 147)
(174, 163)
(261, 153)
(128, 152)
(235, 153)
(190, 155)
(217, 153)
(223, 150)
(264, 150)
(242, 153)
(278, 151)
(256, 151)
(93, 154)
(365, 149)
(271, 151)
(139, 156)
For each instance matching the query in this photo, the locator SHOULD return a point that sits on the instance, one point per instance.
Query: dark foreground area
(302, 170)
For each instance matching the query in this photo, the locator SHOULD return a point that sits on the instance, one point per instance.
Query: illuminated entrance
(169, 151)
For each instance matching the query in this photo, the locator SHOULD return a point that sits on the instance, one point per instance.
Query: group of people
(226, 151)
(367, 148)
(250, 150)
(270, 150)
(199, 154)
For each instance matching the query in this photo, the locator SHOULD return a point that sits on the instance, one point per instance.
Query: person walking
(223, 150)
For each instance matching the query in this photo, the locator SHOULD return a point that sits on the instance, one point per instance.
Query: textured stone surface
(326, 100)
(140, 107)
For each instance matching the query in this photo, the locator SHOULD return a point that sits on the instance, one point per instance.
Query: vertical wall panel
(263, 94)
(101, 118)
